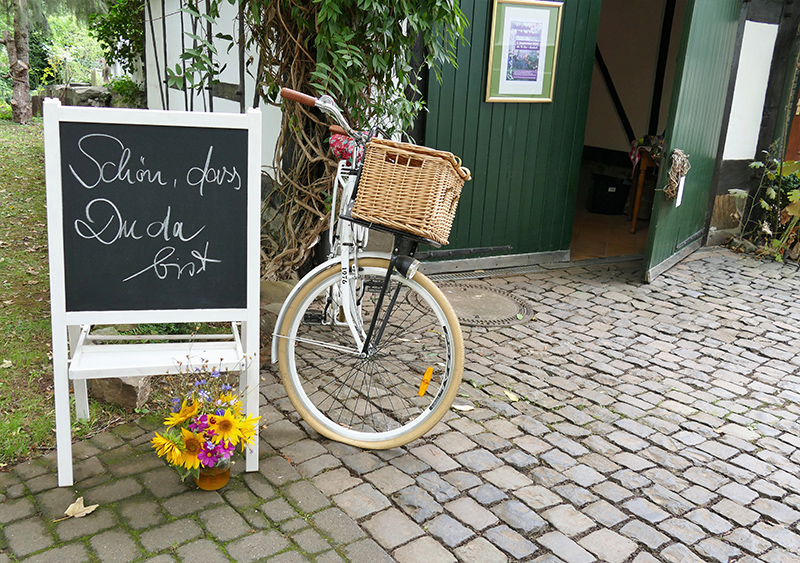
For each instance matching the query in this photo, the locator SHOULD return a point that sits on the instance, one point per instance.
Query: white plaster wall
(178, 100)
(752, 76)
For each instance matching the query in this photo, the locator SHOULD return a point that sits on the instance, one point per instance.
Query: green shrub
(131, 93)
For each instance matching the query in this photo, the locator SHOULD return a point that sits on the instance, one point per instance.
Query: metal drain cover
(482, 305)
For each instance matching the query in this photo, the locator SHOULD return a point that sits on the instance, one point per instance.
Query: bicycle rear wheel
(381, 399)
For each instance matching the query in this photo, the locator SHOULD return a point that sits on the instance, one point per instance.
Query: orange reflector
(426, 379)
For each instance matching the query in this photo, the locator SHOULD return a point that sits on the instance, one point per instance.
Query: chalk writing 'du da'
(117, 169)
(104, 223)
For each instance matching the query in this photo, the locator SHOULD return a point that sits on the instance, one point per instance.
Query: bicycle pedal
(373, 286)
(312, 317)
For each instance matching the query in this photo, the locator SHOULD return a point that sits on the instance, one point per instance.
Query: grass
(27, 416)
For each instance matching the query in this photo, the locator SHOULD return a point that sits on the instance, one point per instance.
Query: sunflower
(186, 412)
(192, 445)
(226, 427)
(249, 428)
(165, 446)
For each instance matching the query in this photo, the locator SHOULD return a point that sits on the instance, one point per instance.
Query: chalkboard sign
(154, 216)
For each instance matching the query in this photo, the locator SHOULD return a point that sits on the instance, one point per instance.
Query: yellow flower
(230, 399)
(249, 428)
(166, 447)
(186, 412)
(192, 445)
(226, 427)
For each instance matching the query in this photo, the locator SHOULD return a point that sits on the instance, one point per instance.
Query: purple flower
(208, 455)
(215, 373)
(199, 424)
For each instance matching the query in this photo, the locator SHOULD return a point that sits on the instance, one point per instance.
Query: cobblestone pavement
(653, 423)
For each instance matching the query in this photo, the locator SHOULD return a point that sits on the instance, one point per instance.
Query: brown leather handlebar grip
(337, 130)
(296, 96)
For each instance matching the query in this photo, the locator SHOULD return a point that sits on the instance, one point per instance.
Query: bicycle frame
(347, 243)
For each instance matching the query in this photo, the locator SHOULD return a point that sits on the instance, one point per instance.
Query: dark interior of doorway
(607, 179)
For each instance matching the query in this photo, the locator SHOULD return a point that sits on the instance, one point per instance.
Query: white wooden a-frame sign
(153, 217)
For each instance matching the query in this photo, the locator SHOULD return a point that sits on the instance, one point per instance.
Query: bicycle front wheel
(390, 395)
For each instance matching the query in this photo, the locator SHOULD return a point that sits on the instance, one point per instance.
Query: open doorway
(637, 47)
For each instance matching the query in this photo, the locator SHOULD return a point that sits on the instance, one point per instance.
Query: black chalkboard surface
(154, 216)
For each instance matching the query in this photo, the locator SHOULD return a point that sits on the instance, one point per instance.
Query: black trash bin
(608, 194)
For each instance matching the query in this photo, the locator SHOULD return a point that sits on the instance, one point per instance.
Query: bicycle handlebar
(296, 96)
(327, 105)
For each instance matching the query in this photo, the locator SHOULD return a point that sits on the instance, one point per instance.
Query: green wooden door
(694, 125)
(524, 157)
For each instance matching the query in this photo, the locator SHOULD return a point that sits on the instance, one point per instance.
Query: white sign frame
(67, 326)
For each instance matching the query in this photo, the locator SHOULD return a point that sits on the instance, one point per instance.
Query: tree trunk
(17, 47)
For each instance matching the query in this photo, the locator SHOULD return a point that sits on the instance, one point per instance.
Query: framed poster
(522, 51)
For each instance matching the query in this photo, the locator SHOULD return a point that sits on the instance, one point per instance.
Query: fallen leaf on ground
(511, 396)
(463, 407)
(77, 510)
(6, 364)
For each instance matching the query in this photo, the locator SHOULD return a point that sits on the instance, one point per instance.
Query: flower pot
(213, 478)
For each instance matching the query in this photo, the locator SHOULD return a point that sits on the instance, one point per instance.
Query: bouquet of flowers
(206, 424)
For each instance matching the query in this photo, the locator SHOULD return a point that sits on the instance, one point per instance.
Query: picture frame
(523, 50)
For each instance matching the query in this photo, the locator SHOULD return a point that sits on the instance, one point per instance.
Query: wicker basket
(410, 188)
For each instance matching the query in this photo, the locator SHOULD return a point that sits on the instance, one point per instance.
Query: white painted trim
(141, 359)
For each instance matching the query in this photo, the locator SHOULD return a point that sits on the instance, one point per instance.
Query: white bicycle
(370, 351)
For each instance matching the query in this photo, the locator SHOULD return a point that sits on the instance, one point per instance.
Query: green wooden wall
(524, 157)
(694, 125)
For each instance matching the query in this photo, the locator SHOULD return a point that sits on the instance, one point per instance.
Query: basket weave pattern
(410, 188)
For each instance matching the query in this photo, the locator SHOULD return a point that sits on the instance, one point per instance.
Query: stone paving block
(487, 494)
(336, 525)
(537, 497)
(507, 478)
(684, 531)
(576, 495)
(303, 450)
(366, 551)
(73, 528)
(389, 479)
(605, 513)
(608, 546)
(714, 549)
(310, 541)
(436, 458)
(289, 557)
(16, 510)
(514, 544)
(191, 502)
(679, 553)
(642, 533)
(142, 514)
(424, 549)
(471, 513)
(257, 547)
(163, 482)
(113, 492)
(710, 521)
(70, 553)
(441, 490)
(172, 534)
(565, 548)
(117, 546)
(417, 503)
(448, 530)
(27, 536)
(202, 550)
(391, 528)
(317, 465)
(335, 482)
(775, 510)
(224, 523)
(463, 480)
(646, 510)
(306, 497)
(779, 535)
(479, 460)
(480, 550)
(278, 471)
(748, 541)
(568, 520)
